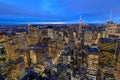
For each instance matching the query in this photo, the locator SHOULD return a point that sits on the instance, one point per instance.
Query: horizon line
(51, 22)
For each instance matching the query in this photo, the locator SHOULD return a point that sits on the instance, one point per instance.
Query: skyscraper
(80, 32)
(118, 61)
(80, 27)
(112, 29)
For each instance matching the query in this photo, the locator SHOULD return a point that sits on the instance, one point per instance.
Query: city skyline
(68, 11)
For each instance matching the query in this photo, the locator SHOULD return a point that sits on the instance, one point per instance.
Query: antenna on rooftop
(111, 15)
(80, 20)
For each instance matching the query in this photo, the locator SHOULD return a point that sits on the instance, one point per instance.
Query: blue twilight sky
(92, 11)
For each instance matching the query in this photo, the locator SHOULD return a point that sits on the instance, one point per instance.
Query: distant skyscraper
(80, 20)
(112, 31)
(80, 32)
(80, 25)
(2, 29)
(28, 27)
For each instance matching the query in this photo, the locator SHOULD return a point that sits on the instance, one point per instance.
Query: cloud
(58, 10)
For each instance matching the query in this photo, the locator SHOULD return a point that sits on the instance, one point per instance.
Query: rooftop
(93, 50)
(19, 60)
(38, 45)
(1, 77)
(1, 47)
(30, 73)
(107, 40)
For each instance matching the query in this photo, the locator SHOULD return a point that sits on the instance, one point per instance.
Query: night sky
(92, 11)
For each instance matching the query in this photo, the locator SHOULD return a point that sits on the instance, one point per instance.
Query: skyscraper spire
(80, 20)
(111, 15)
(110, 19)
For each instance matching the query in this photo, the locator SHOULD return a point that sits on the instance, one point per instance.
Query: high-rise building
(80, 28)
(33, 36)
(118, 61)
(38, 54)
(3, 56)
(92, 60)
(88, 38)
(81, 33)
(103, 34)
(113, 30)
(50, 33)
(107, 48)
(20, 66)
